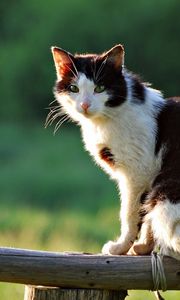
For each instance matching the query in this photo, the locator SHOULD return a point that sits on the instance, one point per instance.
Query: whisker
(51, 119)
(60, 122)
(49, 116)
(99, 78)
(94, 70)
(72, 71)
(109, 116)
(100, 69)
(75, 74)
(53, 107)
(74, 66)
(52, 102)
(54, 112)
(52, 116)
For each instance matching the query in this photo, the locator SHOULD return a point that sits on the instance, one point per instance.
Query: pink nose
(85, 106)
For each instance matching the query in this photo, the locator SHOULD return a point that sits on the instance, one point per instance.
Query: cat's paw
(141, 249)
(115, 248)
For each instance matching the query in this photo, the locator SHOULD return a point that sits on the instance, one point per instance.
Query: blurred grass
(51, 172)
(53, 197)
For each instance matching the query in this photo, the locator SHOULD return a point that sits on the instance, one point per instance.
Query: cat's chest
(120, 151)
(104, 145)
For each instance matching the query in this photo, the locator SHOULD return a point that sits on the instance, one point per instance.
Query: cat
(133, 133)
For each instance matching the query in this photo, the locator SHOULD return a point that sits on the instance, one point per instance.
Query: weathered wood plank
(41, 293)
(83, 270)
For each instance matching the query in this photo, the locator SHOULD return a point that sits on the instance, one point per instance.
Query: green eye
(99, 89)
(74, 88)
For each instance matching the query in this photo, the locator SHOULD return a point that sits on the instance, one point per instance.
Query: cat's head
(90, 85)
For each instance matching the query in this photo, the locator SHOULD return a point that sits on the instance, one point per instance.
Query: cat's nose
(85, 106)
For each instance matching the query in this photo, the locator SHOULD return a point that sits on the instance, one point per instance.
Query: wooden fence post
(50, 293)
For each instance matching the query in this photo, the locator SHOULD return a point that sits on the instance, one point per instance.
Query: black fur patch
(167, 183)
(67, 78)
(168, 124)
(143, 197)
(138, 90)
(62, 85)
(86, 64)
(106, 155)
(142, 211)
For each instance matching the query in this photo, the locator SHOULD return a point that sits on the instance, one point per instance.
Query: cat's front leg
(129, 216)
(145, 244)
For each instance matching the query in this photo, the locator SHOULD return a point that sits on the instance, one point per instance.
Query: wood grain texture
(83, 271)
(42, 293)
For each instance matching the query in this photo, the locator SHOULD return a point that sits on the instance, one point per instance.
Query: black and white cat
(133, 133)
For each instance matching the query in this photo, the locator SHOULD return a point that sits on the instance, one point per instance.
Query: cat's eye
(74, 88)
(99, 89)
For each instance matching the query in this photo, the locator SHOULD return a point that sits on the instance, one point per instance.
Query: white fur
(165, 225)
(129, 131)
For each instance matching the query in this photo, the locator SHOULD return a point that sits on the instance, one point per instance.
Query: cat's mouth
(87, 110)
(88, 114)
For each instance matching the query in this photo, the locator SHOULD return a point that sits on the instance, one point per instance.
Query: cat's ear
(115, 56)
(63, 61)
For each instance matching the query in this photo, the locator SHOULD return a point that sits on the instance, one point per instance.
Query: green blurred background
(52, 196)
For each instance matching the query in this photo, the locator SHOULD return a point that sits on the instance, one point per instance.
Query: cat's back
(168, 125)
(168, 138)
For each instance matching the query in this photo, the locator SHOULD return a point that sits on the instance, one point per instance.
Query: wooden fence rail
(71, 270)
